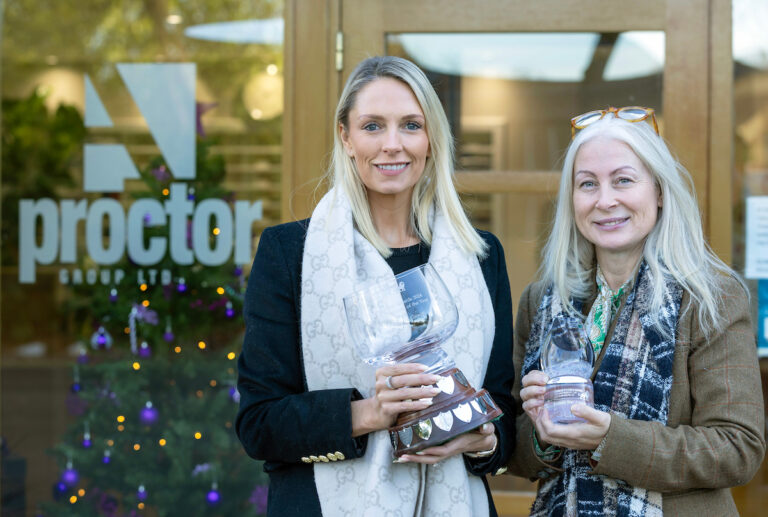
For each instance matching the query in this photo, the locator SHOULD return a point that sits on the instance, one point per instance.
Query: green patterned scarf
(604, 309)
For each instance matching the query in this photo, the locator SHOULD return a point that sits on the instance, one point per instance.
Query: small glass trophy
(404, 319)
(567, 357)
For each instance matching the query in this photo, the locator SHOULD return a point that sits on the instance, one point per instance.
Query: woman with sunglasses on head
(310, 407)
(678, 409)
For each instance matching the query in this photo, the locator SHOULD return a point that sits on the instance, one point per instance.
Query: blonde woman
(309, 407)
(678, 416)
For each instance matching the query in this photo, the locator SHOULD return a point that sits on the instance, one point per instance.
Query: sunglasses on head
(628, 113)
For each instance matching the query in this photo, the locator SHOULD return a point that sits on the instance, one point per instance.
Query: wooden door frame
(698, 96)
(312, 87)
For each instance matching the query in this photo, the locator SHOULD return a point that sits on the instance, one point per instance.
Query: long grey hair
(675, 246)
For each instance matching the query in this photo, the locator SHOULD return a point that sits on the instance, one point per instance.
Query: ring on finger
(388, 382)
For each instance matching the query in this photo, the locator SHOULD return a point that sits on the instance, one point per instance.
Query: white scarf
(337, 261)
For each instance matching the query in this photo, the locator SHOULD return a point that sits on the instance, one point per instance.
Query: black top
(403, 259)
(280, 421)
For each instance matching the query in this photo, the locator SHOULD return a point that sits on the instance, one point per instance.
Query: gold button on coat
(306, 459)
(314, 458)
(339, 455)
(332, 457)
(324, 459)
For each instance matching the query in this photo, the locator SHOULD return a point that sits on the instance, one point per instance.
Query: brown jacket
(714, 437)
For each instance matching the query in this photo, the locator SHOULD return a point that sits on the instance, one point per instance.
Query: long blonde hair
(434, 188)
(675, 246)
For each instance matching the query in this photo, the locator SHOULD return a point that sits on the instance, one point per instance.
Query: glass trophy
(404, 319)
(567, 357)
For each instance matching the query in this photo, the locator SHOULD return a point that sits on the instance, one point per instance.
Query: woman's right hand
(532, 394)
(408, 389)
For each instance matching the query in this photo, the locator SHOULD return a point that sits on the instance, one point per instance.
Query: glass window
(141, 157)
(510, 97)
(750, 190)
(750, 90)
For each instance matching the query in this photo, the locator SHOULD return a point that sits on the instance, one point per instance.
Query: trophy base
(458, 408)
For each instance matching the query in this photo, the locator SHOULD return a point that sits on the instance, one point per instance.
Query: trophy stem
(458, 408)
(427, 354)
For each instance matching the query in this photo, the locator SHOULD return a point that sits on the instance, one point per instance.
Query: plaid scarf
(634, 381)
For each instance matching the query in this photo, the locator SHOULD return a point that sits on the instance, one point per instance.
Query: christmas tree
(153, 393)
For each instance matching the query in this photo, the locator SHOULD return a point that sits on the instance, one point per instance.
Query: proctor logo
(165, 95)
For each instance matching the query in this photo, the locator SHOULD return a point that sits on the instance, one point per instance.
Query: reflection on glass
(242, 31)
(60, 59)
(559, 57)
(750, 39)
(106, 356)
(636, 54)
(520, 90)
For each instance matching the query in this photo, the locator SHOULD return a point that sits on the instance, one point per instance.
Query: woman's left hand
(481, 439)
(583, 435)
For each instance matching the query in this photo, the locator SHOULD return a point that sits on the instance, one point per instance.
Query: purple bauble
(87, 443)
(141, 493)
(106, 458)
(234, 394)
(70, 477)
(168, 336)
(101, 339)
(230, 312)
(113, 295)
(238, 271)
(213, 497)
(59, 491)
(148, 414)
(76, 387)
(144, 350)
(181, 286)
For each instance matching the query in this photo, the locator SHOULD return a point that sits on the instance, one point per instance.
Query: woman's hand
(399, 388)
(583, 435)
(532, 394)
(586, 435)
(481, 439)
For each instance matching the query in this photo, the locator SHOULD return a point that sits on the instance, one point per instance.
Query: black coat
(280, 421)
